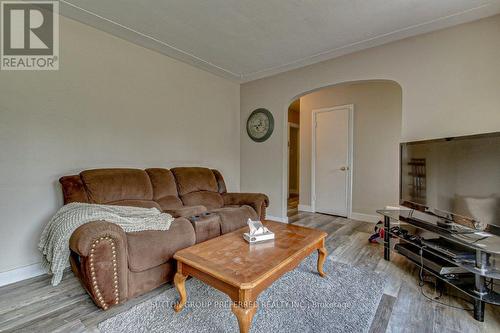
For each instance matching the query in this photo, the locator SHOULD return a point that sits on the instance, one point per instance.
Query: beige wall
(450, 81)
(111, 104)
(377, 129)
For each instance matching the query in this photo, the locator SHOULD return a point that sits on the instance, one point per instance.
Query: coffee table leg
(321, 260)
(179, 281)
(244, 315)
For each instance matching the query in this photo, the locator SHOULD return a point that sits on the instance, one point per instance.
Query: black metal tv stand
(484, 247)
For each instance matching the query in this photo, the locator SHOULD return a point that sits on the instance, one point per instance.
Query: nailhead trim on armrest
(115, 272)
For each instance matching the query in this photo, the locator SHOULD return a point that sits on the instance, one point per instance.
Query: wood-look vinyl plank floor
(35, 306)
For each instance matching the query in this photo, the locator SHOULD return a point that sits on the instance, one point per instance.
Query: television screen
(458, 175)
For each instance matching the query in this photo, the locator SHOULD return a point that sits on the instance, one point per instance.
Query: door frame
(315, 112)
(290, 126)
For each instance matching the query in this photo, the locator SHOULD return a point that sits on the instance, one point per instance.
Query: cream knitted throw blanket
(54, 242)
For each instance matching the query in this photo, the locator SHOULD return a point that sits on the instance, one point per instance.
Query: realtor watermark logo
(29, 35)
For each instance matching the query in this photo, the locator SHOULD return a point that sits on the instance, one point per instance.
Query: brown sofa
(114, 266)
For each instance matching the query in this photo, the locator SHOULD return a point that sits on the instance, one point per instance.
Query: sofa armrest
(82, 238)
(102, 261)
(257, 201)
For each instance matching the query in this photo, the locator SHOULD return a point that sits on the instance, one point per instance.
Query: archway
(377, 131)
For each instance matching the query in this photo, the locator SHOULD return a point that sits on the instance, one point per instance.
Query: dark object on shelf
(454, 251)
(398, 231)
(430, 261)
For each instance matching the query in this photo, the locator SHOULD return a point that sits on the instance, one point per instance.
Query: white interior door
(332, 169)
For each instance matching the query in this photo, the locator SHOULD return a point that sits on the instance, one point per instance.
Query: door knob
(344, 168)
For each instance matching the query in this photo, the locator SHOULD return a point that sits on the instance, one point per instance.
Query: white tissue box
(258, 238)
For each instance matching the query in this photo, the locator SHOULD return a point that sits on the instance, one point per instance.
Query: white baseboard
(365, 217)
(277, 219)
(305, 208)
(21, 273)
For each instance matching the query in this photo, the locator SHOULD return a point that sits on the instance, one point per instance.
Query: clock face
(260, 125)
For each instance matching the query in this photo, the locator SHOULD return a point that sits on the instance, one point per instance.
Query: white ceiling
(249, 39)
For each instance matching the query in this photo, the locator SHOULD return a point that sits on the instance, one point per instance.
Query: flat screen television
(459, 175)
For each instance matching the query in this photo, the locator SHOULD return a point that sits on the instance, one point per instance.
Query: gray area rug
(301, 301)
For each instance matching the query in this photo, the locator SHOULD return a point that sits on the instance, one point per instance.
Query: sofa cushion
(137, 203)
(194, 179)
(233, 218)
(111, 185)
(169, 202)
(147, 249)
(211, 200)
(163, 183)
(186, 211)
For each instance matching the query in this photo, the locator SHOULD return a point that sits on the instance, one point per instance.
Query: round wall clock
(260, 125)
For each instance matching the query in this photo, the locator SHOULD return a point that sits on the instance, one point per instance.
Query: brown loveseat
(114, 266)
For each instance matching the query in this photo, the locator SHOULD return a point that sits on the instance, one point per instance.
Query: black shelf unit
(484, 245)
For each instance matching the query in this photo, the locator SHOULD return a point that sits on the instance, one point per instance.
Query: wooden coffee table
(242, 271)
